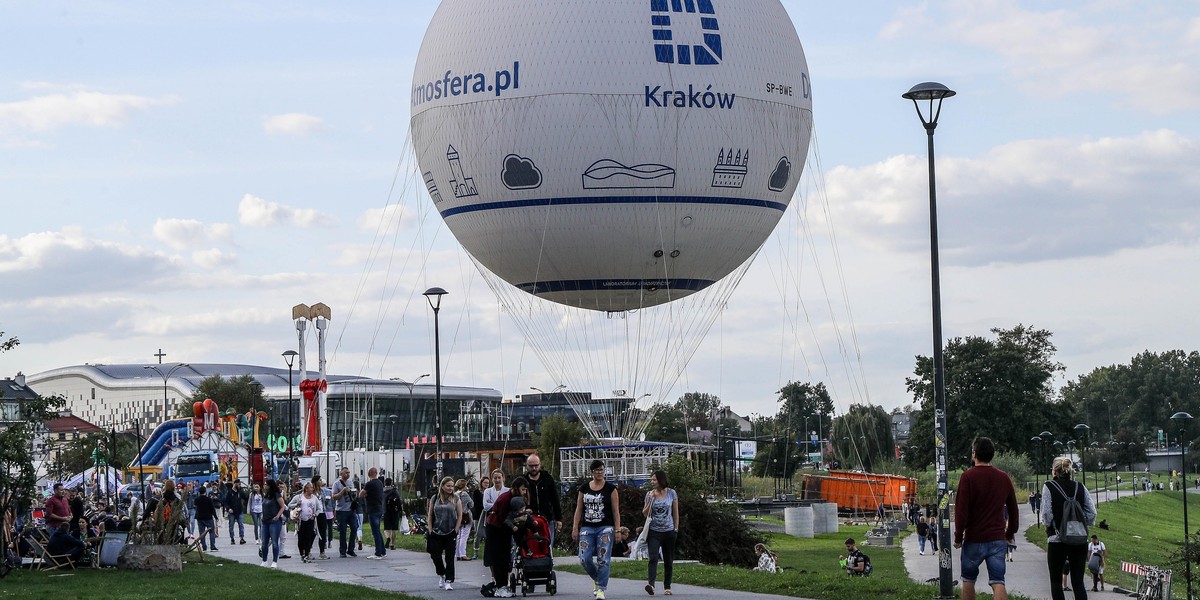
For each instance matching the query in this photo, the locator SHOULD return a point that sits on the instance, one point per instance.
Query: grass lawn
(218, 578)
(1144, 529)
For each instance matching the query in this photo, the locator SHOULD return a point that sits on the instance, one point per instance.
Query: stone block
(145, 557)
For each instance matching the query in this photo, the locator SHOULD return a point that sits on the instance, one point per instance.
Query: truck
(358, 460)
(196, 467)
(318, 463)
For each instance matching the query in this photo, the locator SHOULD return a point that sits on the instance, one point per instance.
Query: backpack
(1072, 530)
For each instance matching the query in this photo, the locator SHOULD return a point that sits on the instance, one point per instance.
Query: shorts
(976, 553)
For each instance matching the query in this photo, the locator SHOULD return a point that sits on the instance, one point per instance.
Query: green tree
(667, 425)
(240, 394)
(9, 344)
(557, 432)
(805, 407)
(1000, 388)
(1140, 396)
(698, 409)
(76, 455)
(863, 436)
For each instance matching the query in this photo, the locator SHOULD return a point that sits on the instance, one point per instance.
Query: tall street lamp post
(1113, 447)
(434, 296)
(933, 93)
(1038, 460)
(392, 434)
(412, 425)
(165, 377)
(289, 357)
(1181, 420)
(1081, 431)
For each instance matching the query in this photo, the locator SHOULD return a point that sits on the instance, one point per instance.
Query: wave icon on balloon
(607, 174)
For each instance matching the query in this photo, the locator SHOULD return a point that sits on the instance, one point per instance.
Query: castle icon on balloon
(730, 171)
(462, 185)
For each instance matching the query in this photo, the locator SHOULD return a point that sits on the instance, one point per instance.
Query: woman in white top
(490, 494)
(255, 502)
(309, 506)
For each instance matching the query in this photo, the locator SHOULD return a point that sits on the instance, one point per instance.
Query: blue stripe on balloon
(600, 285)
(541, 202)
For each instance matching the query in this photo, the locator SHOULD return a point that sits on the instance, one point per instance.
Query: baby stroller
(534, 563)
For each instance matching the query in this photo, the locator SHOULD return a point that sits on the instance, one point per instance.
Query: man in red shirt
(985, 520)
(58, 509)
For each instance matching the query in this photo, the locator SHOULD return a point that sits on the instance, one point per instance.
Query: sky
(178, 176)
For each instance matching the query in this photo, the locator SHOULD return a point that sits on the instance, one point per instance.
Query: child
(767, 561)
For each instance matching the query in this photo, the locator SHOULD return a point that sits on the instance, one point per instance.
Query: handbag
(295, 514)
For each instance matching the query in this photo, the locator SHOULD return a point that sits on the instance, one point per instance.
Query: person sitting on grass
(621, 543)
(857, 563)
(767, 561)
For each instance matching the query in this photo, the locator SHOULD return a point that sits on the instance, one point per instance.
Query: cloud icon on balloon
(520, 173)
(779, 178)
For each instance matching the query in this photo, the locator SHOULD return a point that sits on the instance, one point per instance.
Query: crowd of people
(500, 516)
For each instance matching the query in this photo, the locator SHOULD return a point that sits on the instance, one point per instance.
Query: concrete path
(1027, 575)
(412, 573)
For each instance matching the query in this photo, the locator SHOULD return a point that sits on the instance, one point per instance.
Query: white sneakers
(274, 565)
(448, 586)
(441, 583)
(264, 563)
(503, 592)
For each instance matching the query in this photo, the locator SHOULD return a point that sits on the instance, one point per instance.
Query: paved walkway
(1027, 575)
(412, 573)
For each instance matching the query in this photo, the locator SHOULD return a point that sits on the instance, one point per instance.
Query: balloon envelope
(611, 155)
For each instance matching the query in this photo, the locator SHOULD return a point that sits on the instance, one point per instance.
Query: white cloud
(1030, 200)
(256, 212)
(206, 322)
(387, 220)
(182, 234)
(68, 263)
(1114, 49)
(54, 111)
(292, 124)
(213, 258)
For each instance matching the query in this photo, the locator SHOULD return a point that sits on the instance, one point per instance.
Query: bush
(712, 533)
(1016, 465)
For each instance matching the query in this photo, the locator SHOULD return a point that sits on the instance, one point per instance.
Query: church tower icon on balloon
(462, 185)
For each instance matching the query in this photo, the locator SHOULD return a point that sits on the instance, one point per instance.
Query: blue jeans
(976, 553)
(921, 542)
(241, 524)
(596, 542)
(257, 517)
(374, 519)
(270, 537)
(207, 526)
(345, 519)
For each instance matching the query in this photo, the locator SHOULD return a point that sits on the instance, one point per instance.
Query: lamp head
(434, 296)
(1181, 418)
(289, 357)
(1082, 428)
(929, 90)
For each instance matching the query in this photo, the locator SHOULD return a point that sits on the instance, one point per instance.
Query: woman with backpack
(1067, 510)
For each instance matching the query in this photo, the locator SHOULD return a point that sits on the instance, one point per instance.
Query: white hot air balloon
(614, 157)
